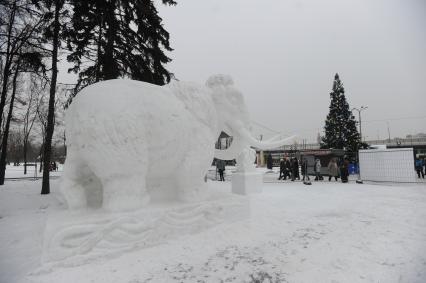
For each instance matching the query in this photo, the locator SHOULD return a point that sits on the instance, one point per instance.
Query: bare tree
(21, 51)
(57, 7)
(42, 118)
(19, 29)
(8, 119)
(30, 102)
(42, 122)
(64, 93)
(14, 146)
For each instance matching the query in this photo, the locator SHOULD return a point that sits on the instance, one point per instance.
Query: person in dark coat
(220, 165)
(424, 166)
(269, 161)
(282, 168)
(344, 170)
(287, 172)
(294, 168)
(419, 168)
(305, 169)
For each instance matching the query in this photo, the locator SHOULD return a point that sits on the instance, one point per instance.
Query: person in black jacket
(419, 167)
(305, 169)
(294, 169)
(344, 170)
(424, 166)
(282, 169)
(220, 164)
(269, 161)
(287, 172)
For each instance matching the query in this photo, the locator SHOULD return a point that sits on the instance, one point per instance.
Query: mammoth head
(229, 103)
(234, 118)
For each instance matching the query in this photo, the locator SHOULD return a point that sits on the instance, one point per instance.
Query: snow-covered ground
(18, 171)
(327, 232)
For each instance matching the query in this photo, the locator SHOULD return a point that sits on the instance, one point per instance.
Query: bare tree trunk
(41, 157)
(8, 62)
(65, 145)
(25, 156)
(6, 130)
(28, 125)
(4, 89)
(45, 189)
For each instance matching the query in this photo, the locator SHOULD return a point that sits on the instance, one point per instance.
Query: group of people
(53, 166)
(420, 165)
(290, 168)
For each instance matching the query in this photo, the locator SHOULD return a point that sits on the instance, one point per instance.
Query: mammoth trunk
(243, 139)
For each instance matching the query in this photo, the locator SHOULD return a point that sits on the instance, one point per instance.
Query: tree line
(103, 39)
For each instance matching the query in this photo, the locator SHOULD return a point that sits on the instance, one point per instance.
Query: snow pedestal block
(244, 183)
(77, 237)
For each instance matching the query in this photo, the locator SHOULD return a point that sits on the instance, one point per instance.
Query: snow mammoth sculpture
(130, 142)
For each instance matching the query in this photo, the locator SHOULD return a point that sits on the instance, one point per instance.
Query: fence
(387, 165)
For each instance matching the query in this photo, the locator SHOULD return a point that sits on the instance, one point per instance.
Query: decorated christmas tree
(340, 126)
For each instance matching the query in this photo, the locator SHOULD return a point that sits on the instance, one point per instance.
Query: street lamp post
(389, 139)
(359, 119)
(359, 181)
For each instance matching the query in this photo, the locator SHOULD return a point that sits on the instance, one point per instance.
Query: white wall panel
(387, 165)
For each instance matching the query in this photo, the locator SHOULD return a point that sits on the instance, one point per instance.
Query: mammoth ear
(219, 81)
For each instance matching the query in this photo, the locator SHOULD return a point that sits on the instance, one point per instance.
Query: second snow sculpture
(130, 142)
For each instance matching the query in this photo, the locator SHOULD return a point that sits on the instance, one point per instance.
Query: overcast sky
(283, 55)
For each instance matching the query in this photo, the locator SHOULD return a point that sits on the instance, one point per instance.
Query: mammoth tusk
(265, 145)
(275, 138)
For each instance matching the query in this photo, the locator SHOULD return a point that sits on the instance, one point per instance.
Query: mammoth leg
(124, 192)
(123, 180)
(118, 157)
(72, 184)
(190, 175)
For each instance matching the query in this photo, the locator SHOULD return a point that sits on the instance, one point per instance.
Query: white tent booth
(387, 165)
